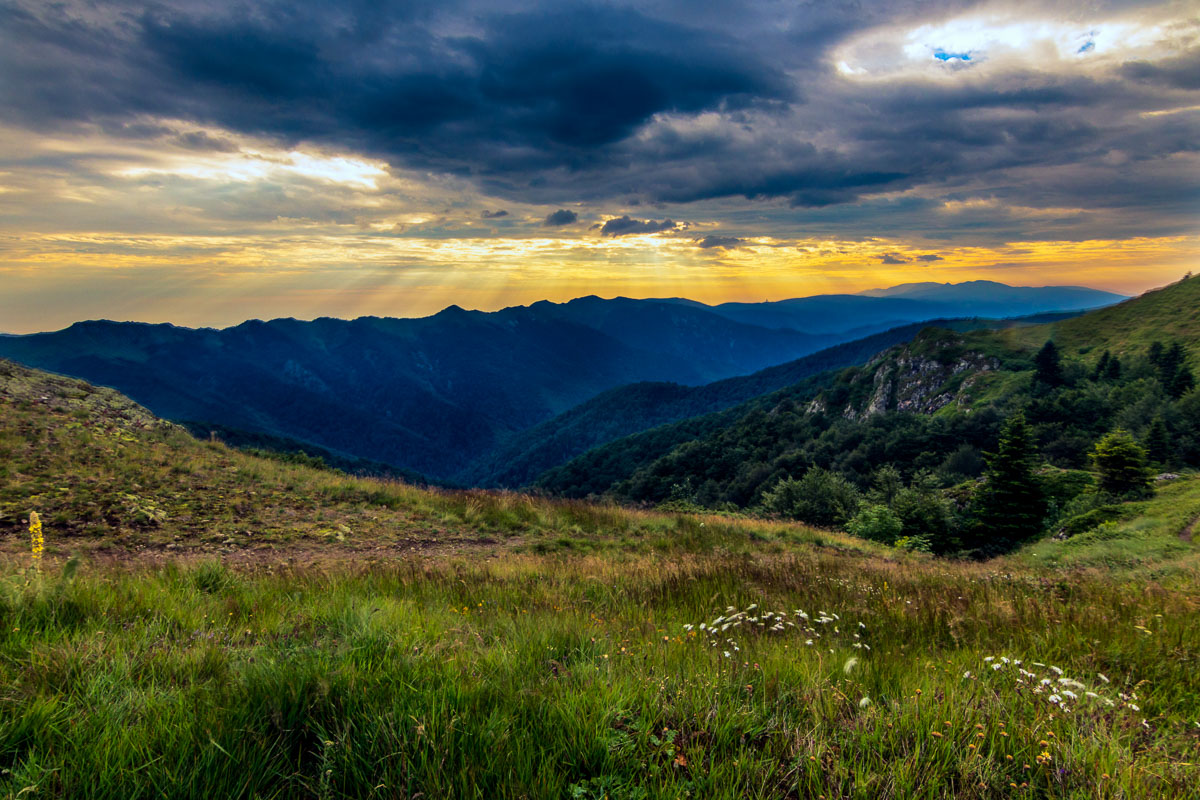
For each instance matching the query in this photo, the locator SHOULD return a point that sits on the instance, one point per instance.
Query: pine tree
(1102, 366)
(1158, 442)
(1182, 382)
(1172, 359)
(1121, 463)
(1048, 365)
(1174, 375)
(1011, 506)
(1155, 354)
(1113, 371)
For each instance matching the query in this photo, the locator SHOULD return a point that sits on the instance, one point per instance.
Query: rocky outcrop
(918, 383)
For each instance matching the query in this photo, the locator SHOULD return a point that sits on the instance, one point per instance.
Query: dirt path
(1186, 533)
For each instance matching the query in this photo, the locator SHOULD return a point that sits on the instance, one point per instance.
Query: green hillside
(929, 409)
(207, 623)
(1171, 313)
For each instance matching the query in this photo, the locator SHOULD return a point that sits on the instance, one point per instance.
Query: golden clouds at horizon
(55, 279)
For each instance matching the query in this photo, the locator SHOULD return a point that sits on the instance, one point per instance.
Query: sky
(203, 163)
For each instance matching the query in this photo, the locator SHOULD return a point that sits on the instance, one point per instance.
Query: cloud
(564, 103)
(623, 226)
(485, 214)
(929, 257)
(561, 217)
(719, 241)
(892, 258)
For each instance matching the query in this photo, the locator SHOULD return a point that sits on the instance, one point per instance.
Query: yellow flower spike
(36, 542)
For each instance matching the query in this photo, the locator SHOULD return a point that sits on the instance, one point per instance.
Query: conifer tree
(1011, 506)
(1158, 442)
(1182, 382)
(1174, 375)
(1048, 365)
(1113, 371)
(1171, 360)
(1155, 354)
(1121, 463)
(1102, 366)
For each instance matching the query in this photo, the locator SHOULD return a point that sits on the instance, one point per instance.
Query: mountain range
(933, 404)
(459, 395)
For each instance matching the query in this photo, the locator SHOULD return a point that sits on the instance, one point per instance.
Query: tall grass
(588, 676)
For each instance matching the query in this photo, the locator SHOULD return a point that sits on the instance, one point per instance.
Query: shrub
(821, 497)
(877, 523)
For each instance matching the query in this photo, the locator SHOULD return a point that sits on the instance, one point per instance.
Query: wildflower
(36, 544)
(866, 701)
(1102, 677)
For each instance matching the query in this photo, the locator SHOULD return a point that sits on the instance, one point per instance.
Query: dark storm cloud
(929, 257)
(493, 214)
(892, 258)
(561, 102)
(623, 226)
(724, 242)
(561, 217)
(1182, 72)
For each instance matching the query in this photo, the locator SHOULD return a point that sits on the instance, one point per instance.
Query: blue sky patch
(942, 55)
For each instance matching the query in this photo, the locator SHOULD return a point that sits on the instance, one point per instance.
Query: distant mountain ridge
(436, 394)
(880, 309)
(991, 292)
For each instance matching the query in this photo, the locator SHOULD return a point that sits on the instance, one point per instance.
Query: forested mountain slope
(430, 395)
(933, 404)
(641, 406)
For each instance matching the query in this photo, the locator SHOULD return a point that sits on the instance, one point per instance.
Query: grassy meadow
(209, 624)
